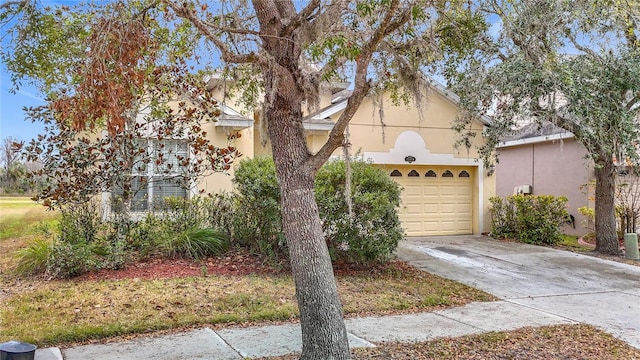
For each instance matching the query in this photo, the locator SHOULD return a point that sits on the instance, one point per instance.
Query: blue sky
(12, 118)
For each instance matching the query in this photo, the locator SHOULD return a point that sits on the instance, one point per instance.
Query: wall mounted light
(491, 170)
(410, 159)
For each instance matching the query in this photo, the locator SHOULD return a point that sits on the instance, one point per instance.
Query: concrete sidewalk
(538, 286)
(274, 340)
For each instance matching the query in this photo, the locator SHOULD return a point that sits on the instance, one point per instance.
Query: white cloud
(30, 95)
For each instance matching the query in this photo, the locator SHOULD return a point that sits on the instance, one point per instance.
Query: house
(547, 161)
(446, 190)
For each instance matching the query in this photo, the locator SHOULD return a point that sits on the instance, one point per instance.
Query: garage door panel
(414, 209)
(448, 209)
(448, 226)
(431, 226)
(412, 191)
(463, 208)
(431, 208)
(448, 190)
(412, 226)
(465, 225)
(431, 190)
(436, 205)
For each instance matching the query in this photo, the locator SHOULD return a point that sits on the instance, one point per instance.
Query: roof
(535, 133)
(231, 117)
(339, 102)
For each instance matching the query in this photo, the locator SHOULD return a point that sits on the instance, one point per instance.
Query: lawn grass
(59, 312)
(19, 214)
(570, 242)
(63, 312)
(21, 219)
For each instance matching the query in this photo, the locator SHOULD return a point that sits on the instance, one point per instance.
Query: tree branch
(9, 4)
(336, 136)
(575, 43)
(362, 84)
(230, 30)
(301, 17)
(227, 54)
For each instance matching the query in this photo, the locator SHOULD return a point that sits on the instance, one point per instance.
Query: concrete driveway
(576, 287)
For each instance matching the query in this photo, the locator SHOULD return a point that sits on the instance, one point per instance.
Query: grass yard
(18, 215)
(20, 220)
(570, 242)
(74, 311)
(71, 311)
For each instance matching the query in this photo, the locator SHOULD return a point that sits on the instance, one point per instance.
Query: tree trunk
(605, 218)
(324, 334)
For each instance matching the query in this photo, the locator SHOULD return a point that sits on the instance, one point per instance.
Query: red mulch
(590, 241)
(238, 263)
(158, 268)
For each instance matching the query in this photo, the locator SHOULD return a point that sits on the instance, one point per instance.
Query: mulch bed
(237, 263)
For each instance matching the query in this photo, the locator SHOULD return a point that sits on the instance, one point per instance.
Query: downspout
(533, 167)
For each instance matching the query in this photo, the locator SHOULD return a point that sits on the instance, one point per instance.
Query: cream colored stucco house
(446, 190)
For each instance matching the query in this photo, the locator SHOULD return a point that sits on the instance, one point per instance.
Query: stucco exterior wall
(219, 182)
(425, 134)
(557, 168)
(375, 133)
(403, 130)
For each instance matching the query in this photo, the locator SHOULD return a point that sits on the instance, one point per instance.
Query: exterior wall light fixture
(410, 159)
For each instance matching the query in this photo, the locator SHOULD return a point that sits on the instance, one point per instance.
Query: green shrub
(83, 241)
(531, 219)
(503, 218)
(373, 233)
(220, 212)
(183, 214)
(33, 259)
(257, 221)
(110, 253)
(68, 260)
(194, 243)
(80, 223)
(79, 227)
(144, 235)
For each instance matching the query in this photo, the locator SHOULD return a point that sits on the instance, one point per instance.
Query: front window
(157, 174)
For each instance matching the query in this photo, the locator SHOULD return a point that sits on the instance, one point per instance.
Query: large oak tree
(574, 64)
(279, 55)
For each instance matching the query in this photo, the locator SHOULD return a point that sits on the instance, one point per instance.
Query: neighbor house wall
(557, 168)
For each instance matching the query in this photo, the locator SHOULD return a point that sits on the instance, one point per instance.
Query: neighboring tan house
(446, 191)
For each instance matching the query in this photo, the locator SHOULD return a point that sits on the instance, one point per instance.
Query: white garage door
(436, 200)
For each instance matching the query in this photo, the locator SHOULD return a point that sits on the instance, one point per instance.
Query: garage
(436, 200)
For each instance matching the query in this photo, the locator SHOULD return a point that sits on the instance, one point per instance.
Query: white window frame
(147, 196)
(156, 173)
